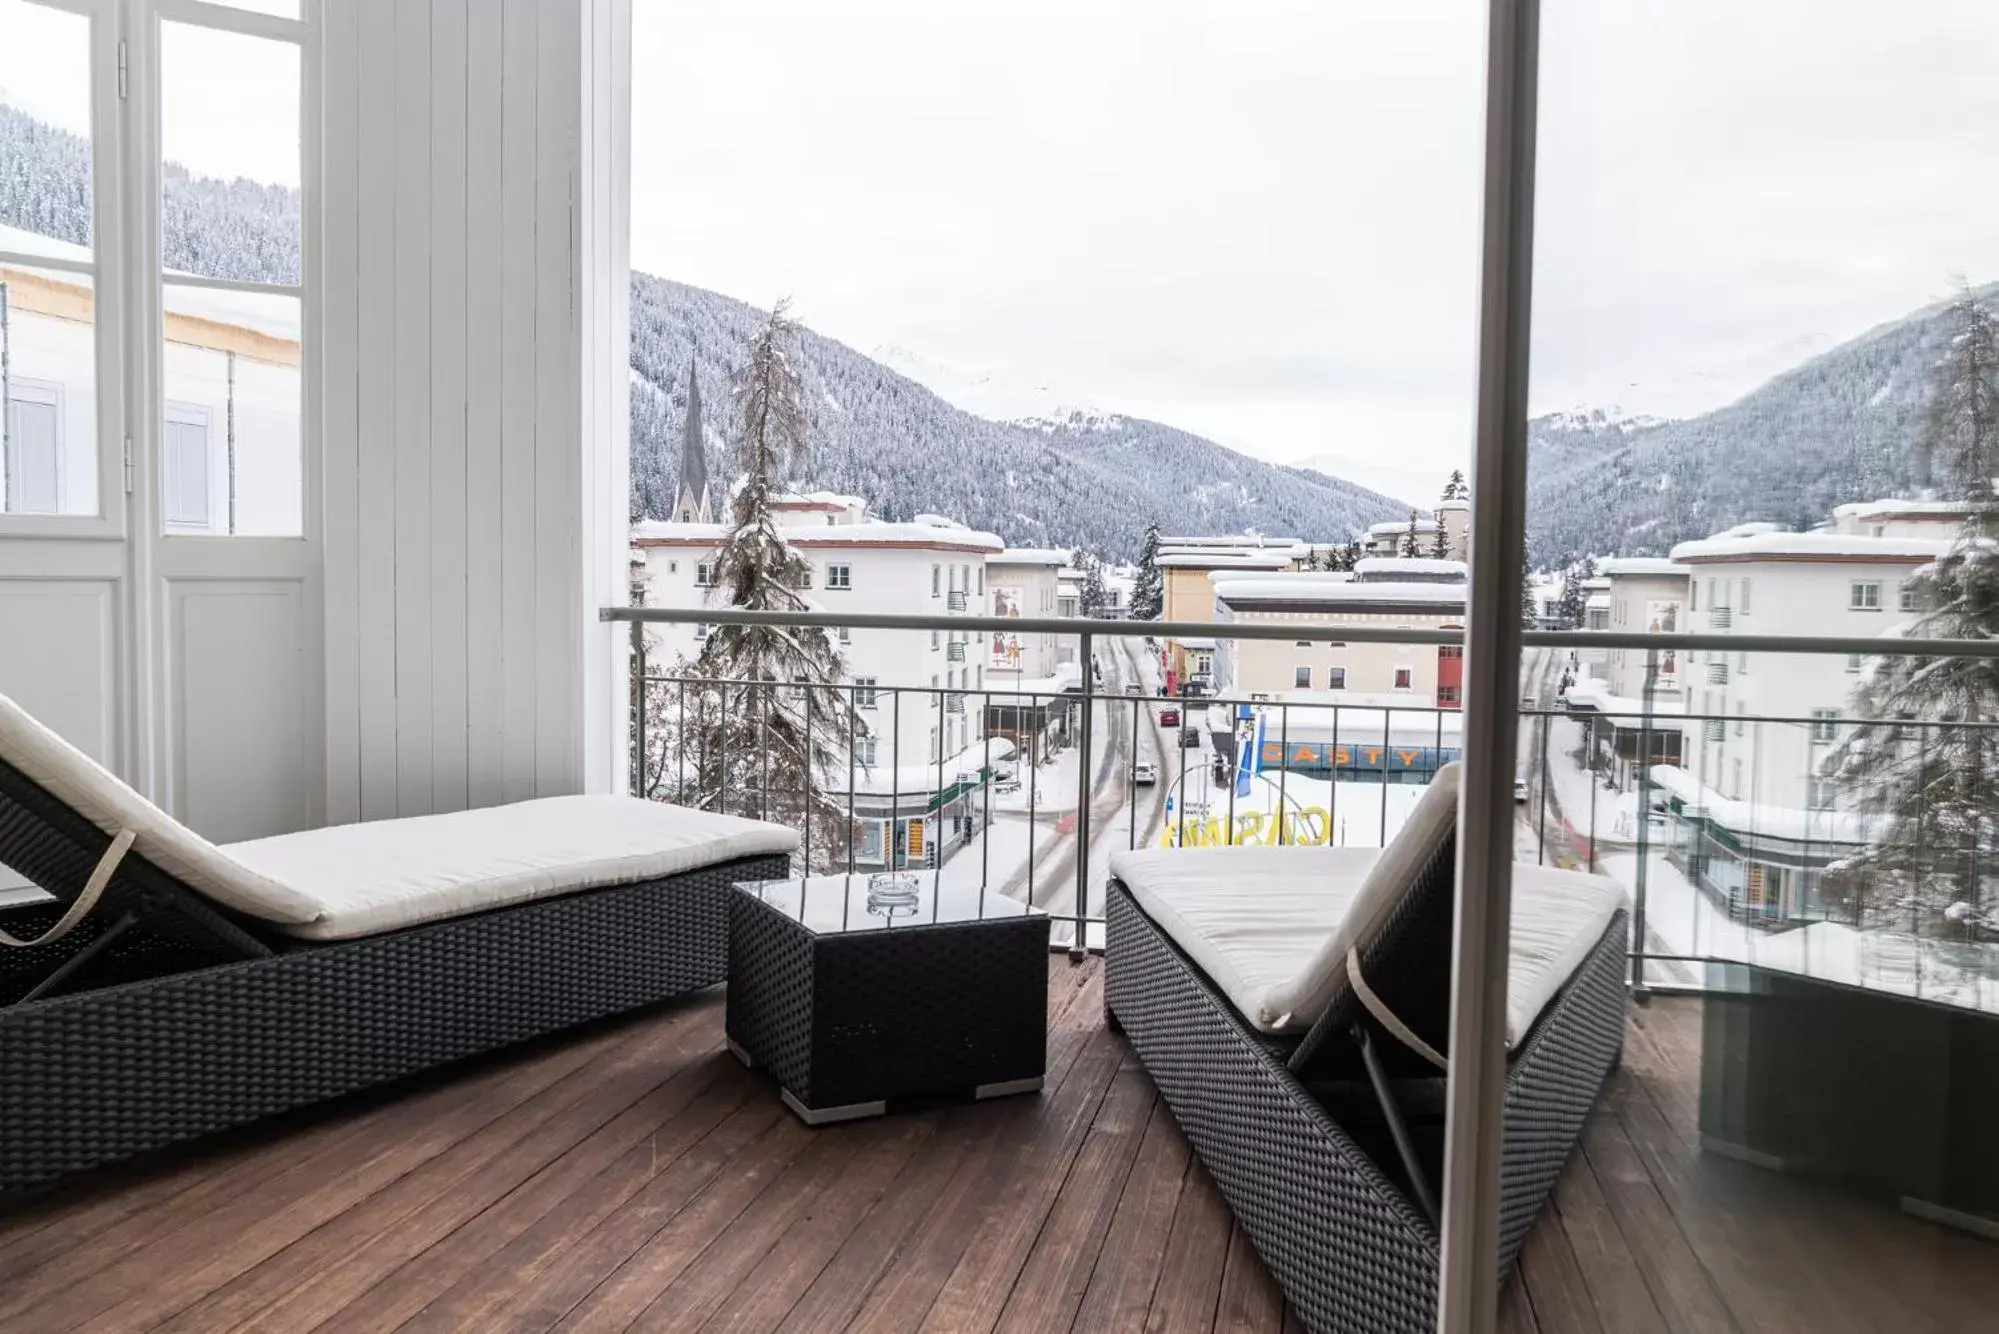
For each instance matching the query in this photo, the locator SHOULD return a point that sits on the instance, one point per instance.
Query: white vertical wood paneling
(485, 531)
(340, 300)
(517, 388)
(374, 443)
(414, 446)
(557, 460)
(470, 471)
(448, 403)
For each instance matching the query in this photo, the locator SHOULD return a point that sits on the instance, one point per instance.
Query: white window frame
(50, 395)
(936, 581)
(188, 414)
(704, 574)
(1823, 728)
(1301, 678)
(866, 751)
(839, 578)
(1864, 595)
(1820, 794)
(866, 692)
(1742, 598)
(1336, 678)
(1905, 596)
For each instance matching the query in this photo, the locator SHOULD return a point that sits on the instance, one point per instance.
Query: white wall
(473, 489)
(45, 352)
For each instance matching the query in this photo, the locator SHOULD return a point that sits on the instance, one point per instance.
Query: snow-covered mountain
(1835, 429)
(1080, 478)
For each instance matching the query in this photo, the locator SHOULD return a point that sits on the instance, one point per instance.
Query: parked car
(1193, 689)
(1169, 717)
(1520, 789)
(1134, 687)
(1190, 738)
(1006, 787)
(1144, 773)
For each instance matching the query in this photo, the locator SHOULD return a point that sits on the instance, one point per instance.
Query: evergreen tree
(1530, 611)
(1455, 488)
(1440, 547)
(1095, 598)
(1353, 555)
(1573, 609)
(1409, 546)
(1924, 757)
(768, 730)
(1148, 591)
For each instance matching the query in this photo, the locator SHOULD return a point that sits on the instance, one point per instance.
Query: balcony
(955, 600)
(637, 1176)
(1720, 618)
(1717, 673)
(954, 650)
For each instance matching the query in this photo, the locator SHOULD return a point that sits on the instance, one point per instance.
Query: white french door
(159, 567)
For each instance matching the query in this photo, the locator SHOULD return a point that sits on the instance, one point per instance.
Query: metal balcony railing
(1717, 673)
(1720, 618)
(955, 599)
(954, 651)
(1720, 833)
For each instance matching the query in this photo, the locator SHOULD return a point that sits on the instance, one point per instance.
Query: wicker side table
(854, 996)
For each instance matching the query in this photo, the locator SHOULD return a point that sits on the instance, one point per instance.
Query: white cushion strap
(93, 888)
(1384, 1016)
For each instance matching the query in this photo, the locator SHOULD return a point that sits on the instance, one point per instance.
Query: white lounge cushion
(1258, 922)
(1286, 916)
(104, 799)
(384, 875)
(362, 879)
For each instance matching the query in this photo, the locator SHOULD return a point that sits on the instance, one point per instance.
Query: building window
(1819, 793)
(1301, 678)
(1741, 719)
(1906, 595)
(1823, 726)
(846, 633)
(936, 581)
(1742, 597)
(1864, 595)
(982, 581)
(864, 692)
(1447, 694)
(803, 579)
(839, 576)
(704, 574)
(932, 751)
(1303, 643)
(34, 450)
(865, 751)
(1451, 651)
(933, 641)
(1693, 595)
(702, 631)
(1735, 788)
(187, 506)
(1853, 662)
(1402, 678)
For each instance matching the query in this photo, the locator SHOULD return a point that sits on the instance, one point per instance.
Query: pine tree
(769, 727)
(1440, 546)
(1573, 609)
(1409, 547)
(1455, 488)
(1924, 758)
(1530, 611)
(1095, 598)
(1351, 558)
(1148, 591)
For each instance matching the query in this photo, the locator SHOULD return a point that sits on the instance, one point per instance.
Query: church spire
(691, 502)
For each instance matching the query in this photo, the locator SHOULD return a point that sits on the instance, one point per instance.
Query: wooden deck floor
(637, 1177)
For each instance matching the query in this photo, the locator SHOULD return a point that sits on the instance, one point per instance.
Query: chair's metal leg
(1405, 1147)
(80, 958)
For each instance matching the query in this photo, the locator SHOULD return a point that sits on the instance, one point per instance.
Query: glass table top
(884, 901)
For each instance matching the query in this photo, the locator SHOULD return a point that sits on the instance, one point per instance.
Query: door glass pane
(48, 383)
(44, 131)
(229, 131)
(231, 371)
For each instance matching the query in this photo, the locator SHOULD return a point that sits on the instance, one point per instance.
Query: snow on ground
(993, 857)
(1579, 795)
(1679, 918)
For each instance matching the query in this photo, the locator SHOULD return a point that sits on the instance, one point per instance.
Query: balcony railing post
(1638, 991)
(639, 709)
(1080, 945)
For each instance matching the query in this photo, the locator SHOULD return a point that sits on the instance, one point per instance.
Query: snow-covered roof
(921, 778)
(1390, 566)
(1031, 556)
(1422, 526)
(1453, 505)
(1633, 567)
(1223, 560)
(1321, 590)
(1597, 600)
(1749, 817)
(1361, 717)
(1592, 694)
(271, 314)
(1821, 546)
(1068, 676)
(1198, 642)
(1890, 508)
(1243, 541)
(870, 533)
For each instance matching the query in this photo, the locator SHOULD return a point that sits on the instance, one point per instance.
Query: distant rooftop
(1628, 567)
(1768, 543)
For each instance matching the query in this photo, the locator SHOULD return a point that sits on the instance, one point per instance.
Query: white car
(1520, 789)
(1144, 773)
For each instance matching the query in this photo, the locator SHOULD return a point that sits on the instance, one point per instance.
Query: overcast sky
(1258, 220)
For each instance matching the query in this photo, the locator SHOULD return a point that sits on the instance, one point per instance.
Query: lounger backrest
(1392, 878)
(108, 802)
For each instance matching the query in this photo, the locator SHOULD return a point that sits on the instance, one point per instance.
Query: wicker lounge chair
(1291, 1004)
(174, 987)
